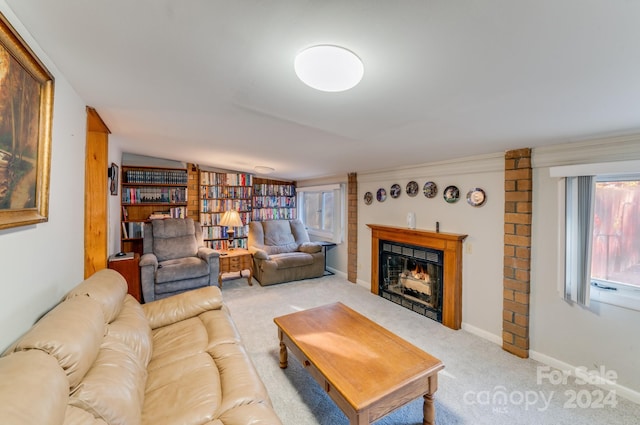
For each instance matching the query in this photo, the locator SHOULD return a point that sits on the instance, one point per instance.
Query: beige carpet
(481, 383)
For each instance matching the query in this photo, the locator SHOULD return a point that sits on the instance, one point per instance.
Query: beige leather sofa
(101, 358)
(282, 252)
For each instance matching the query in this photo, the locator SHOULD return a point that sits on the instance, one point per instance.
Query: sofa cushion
(113, 389)
(72, 333)
(132, 328)
(282, 249)
(299, 231)
(177, 341)
(221, 328)
(181, 369)
(187, 391)
(278, 233)
(34, 389)
(168, 289)
(174, 239)
(78, 416)
(292, 259)
(238, 377)
(106, 286)
(181, 268)
(182, 306)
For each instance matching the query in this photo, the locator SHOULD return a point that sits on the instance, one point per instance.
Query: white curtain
(579, 197)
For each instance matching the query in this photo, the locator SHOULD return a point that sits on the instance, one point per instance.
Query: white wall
(565, 335)
(114, 206)
(483, 247)
(40, 263)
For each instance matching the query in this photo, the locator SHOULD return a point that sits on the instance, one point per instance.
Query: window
(615, 249)
(321, 212)
(602, 233)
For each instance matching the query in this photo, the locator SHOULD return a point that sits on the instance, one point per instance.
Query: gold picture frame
(26, 114)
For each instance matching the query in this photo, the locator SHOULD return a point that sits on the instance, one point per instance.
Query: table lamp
(231, 219)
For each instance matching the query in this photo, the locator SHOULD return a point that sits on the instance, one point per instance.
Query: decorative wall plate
(368, 198)
(451, 194)
(395, 191)
(430, 189)
(381, 195)
(412, 188)
(476, 197)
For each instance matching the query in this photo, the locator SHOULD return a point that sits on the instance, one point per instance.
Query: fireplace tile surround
(451, 246)
(411, 276)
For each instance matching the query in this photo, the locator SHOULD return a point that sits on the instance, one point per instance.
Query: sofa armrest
(207, 253)
(310, 247)
(148, 266)
(258, 253)
(212, 257)
(182, 306)
(148, 260)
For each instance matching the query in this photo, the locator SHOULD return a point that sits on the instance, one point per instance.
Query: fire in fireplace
(411, 276)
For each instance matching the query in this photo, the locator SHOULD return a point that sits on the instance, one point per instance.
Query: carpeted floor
(481, 383)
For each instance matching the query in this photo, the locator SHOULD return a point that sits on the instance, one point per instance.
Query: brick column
(352, 227)
(517, 251)
(193, 192)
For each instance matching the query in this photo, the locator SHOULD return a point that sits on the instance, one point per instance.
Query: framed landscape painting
(26, 113)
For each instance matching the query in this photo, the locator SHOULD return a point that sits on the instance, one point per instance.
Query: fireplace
(411, 276)
(413, 254)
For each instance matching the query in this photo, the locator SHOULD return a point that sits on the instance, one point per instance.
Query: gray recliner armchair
(282, 252)
(175, 259)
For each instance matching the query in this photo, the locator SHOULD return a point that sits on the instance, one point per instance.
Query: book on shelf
(154, 195)
(175, 212)
(159, 215)
(156, 176)
(133, 230)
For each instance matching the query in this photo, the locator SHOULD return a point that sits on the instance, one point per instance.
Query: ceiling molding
(468, 165)
(619, 148)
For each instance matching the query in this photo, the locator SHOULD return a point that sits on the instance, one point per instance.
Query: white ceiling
(212, 82)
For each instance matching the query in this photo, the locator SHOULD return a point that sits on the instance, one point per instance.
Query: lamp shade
(231, 218)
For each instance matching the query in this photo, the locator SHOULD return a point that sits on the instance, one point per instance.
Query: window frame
(337, 233)
(601, 291)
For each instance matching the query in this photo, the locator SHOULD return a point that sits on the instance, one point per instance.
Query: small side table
(326, 245)
(235, 260)
(128, 268)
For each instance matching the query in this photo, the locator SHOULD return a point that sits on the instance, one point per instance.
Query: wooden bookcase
(219, 192)
(147, 191)
(273, 200)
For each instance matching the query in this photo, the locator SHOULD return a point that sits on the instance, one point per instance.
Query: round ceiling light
(329, 68)
(261, 169)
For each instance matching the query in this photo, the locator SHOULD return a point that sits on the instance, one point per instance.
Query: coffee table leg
(429, 410)
(283, 352)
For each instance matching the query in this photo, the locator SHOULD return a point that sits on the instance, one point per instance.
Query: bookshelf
(273, 200)
(219, 192)
(147, 193)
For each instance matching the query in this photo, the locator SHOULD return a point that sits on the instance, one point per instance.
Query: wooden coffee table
(366, 370)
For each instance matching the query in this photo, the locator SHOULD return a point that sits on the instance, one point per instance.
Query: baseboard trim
(482, 333)
(620, 390)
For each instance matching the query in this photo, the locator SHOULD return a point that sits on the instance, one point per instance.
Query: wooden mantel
(449, 243)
